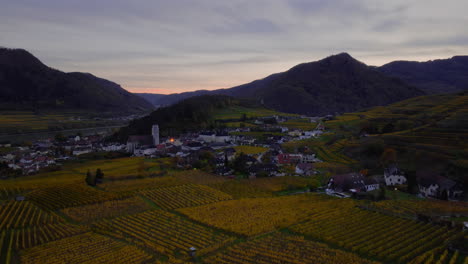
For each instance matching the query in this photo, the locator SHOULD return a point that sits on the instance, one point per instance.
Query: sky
(172, 46)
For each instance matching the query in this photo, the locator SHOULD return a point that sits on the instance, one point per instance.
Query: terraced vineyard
(376, 235)
(63, 196)
(85, 248)
(107, 209)
(157, 220)
(251, 217)
(10, 192)
(185, 196)
(135, 185)
(238, 189)
(24, 214)
(163, 232)
(285, 249)
(37, 235)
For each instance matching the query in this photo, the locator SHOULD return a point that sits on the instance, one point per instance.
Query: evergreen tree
(381, 195)
(90, 179)
(99, 176)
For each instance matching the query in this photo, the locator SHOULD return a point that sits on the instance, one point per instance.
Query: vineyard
(24, 214)
(412, 208)
(37, 235)
(108, 209)
(162, 232)
(69, 195)
(239, 189)
(287, 249)
(135, 185)
(85, 248)
(376, 235)
(158, 218)
(256, 216)
(185, 196)
(7, 193)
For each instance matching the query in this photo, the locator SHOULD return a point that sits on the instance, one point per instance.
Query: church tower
(155, 133)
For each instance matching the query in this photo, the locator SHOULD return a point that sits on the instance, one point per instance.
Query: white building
(393, 176)
(155, 134)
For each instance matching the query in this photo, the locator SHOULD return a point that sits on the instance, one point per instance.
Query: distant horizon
(146, 90)
(167, 47)
(259, 78)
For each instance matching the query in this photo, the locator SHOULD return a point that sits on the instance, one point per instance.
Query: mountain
(437, 76)
(151, 98)
(27, 84)
(428, 133)
(338, 83)
(192, 114)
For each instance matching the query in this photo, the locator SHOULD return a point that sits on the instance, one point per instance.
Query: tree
(99, 176)
(388, 128)
(243, 117)
(389, 156)
(444, 195)
(59, 137)
(381, 195)
(90, 179)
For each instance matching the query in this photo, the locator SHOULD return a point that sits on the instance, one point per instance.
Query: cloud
(195, 44)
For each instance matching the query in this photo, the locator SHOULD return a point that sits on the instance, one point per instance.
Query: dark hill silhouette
(338, 83)
(437, 76)
(27, 84)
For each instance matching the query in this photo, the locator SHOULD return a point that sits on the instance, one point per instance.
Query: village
(227, 152)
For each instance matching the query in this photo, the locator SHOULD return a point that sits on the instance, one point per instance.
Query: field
(146, 211)
(236, 113)
(162, 232)
(303, 124)
(185, 196)
(108, 209)
(18, 122)
(251, 217)
(85, 248)
(281, 248)
(250, 150)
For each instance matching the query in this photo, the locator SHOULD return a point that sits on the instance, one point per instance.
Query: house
(224, 171)
(433, 185)
(308, 158)
(207, 136)
(320, 126)
(352, 182)
(286, 158)
(305, 169)
(266, 170)
(295, 133)
(230, 153)
(394, 176)
(222, 137)
(371, 184)
(136, 141)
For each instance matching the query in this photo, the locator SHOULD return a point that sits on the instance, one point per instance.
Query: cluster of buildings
(45, 154)
(221, 145)
(429, 184)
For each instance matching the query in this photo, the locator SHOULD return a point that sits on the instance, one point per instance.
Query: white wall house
(431, 190)
(393, 176)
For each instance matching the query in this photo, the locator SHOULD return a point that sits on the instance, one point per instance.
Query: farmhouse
(433, 185)
(352, 182)
(394, 176)
(305, 169)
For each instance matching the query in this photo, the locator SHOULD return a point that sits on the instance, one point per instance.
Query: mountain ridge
(314, 88)
(434, 76)
(29, 84)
